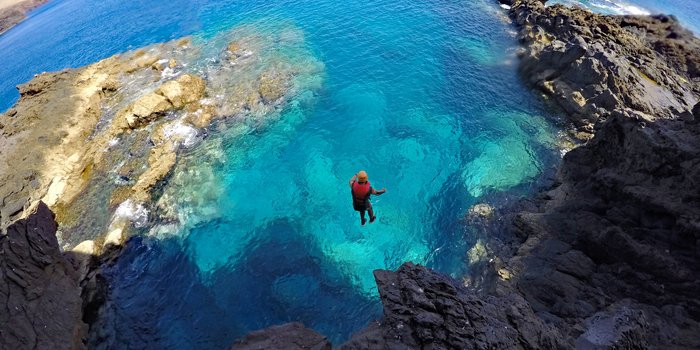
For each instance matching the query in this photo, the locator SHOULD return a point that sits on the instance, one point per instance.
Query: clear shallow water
(422, 96)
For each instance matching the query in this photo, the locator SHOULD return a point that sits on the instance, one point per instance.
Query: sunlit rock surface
(87, 140)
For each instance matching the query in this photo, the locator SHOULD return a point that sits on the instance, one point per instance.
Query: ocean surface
(424, 96)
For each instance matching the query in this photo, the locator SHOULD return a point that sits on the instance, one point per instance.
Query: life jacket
(360, 192)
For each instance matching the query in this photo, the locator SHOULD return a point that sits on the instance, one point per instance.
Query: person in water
(361, 191)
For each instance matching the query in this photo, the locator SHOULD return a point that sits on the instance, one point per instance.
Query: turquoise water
(424, 96)
(266, 233)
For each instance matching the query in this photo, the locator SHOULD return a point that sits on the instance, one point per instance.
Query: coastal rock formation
(16, 12)
(93, 140)
(426, 310)
(606, 258)
(623, 224)
(614, 244)
(591, 64)
(40, 294)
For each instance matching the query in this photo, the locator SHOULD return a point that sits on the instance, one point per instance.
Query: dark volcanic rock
(426, 310)
(623, 221)
(592, 64)
(39, 292)
(290, 336)
(620, 327)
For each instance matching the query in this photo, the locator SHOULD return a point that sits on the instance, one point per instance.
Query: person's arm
(380, 192)
(353, 179)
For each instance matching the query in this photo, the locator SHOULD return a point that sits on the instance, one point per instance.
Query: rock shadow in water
(158, 293)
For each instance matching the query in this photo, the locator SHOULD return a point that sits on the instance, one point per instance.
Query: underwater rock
(290, 336)
(272, 87)
(480, 210)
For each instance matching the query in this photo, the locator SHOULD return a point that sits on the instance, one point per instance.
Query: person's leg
(371, 214)
(362, 217)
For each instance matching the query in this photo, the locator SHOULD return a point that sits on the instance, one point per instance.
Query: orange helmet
(362, 176)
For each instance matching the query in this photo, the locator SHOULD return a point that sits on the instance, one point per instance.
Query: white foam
(620, 8)
(504, 6)
(183, 133)
(168, 73)
(635, 10)
(136, 213)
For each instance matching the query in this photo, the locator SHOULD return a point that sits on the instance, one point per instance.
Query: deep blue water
(424, 96)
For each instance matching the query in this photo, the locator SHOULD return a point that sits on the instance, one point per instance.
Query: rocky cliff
(609, 256)
(617, 238)
(40, 291)
(12, 14)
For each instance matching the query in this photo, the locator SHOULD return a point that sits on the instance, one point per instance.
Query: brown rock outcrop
(72, 131)
(13, 14)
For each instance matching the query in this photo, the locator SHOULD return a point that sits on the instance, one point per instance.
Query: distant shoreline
(12, 12)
